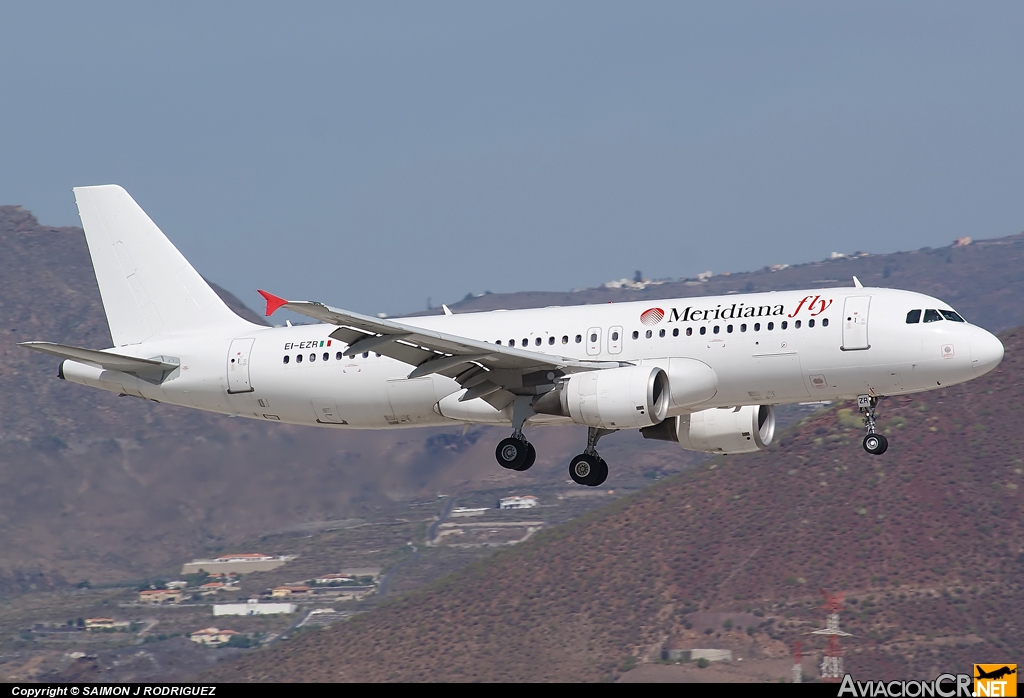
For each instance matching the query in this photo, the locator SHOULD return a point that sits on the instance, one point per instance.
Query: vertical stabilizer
(148, 288)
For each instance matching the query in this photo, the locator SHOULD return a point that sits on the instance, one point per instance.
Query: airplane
(704, 372)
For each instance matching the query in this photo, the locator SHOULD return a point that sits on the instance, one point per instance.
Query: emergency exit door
(855, 323)
(238, 366)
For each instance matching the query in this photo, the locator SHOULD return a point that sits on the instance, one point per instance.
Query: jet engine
(612, 398)
(720, 430)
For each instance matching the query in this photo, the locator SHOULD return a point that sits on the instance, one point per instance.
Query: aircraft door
(593, 341)
(615, 340)
(855, 323)
(238, 366)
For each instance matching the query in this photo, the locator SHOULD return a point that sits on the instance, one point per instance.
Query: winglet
(273, 302)
(856, 284)
(447, 310)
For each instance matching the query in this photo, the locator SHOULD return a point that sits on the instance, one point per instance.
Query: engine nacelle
(613, 398)
(721, 430)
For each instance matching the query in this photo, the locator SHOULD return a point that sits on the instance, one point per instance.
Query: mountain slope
(926, 540)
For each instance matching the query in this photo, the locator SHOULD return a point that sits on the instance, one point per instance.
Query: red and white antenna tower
(798, 669)
(832, 664)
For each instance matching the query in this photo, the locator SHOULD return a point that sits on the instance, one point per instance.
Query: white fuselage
(767, 348)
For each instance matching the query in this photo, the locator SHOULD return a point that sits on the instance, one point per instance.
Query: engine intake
(613, 398)
(721, 430)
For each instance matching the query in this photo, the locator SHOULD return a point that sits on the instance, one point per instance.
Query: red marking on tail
(273, 302)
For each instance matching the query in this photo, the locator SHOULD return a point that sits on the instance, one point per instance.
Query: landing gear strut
(589, 468)
(874, 443)
(515, 452)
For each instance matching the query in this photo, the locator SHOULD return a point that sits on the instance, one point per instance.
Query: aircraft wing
(102, 359)
(479, 366)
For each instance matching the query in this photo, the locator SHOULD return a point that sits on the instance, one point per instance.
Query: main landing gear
(589, 468)
(515, 452)
(874, 443)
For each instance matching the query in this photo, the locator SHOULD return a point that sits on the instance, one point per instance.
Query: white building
(252, 607)
(526, 502)
(212, 636)
(239, 563)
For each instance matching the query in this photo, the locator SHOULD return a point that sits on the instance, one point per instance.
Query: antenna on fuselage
(857, 283)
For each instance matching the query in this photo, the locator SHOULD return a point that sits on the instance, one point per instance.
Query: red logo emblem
(652, 316)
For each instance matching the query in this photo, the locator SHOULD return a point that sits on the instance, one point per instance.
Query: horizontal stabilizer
(148, 368)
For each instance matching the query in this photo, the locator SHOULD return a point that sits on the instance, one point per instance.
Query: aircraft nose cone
(986, 352)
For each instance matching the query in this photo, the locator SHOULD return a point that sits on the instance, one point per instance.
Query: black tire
(875, 444)
(585, 469)
(511, 453)
(601, 475)
(531, 457)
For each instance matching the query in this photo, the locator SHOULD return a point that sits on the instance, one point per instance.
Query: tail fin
(148, 288)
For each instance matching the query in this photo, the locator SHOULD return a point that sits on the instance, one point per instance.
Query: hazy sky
(372, 155)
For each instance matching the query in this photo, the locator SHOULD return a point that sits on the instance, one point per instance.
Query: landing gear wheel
(531, 456)
(513, 453)
(588, 470)
(875, 444)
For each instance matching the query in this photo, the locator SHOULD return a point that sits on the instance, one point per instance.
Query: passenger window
(824, 322)
(703, 330)
(498, 342)
(551, 340)
(675, 332)
(914, 317)
(511, 342)
(810, 323)
(579, 338)
(743, 327)
(661, 333)
(771, 325)
(287, 358)
(648, 334)
(716, 329)
(593, 337)
(366, 355)
(312, 357)
(526, 342)
(565, 339)
(615, 336)
(327, 357)
(537, 341)
(729, 329)
(298, 358)
(636, 335)
(689, 331)
(796, 324)
(932, 316)
(785, 324)
(339, 355)
(950, 315)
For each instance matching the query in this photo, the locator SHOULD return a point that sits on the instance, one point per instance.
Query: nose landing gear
(589, 468)
(874, 443)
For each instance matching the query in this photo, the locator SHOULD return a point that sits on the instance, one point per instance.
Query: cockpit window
(932, 316)
(913, 317)
(950, 315)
